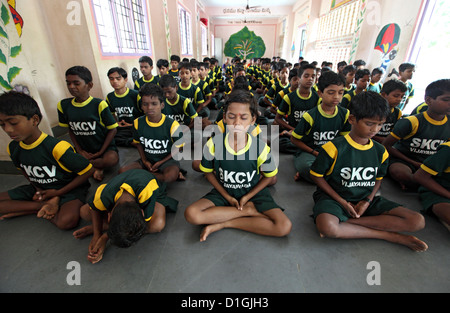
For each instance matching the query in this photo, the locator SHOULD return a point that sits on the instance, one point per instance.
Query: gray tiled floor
(35, 255)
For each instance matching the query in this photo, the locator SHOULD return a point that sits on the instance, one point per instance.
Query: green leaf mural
(4, 14)
(15, 51)
(8, 53)
(245, 44)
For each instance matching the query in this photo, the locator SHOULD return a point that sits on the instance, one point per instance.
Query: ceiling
(236, 9)
(243, 3)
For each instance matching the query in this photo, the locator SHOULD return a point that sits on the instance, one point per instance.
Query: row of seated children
(137, 195)
(418, 137)
(398, 92)
(237, 117)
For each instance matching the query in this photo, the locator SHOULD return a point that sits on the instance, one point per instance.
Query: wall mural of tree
(245, 44)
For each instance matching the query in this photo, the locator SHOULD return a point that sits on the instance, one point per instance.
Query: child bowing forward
(232, 163)
(129, 206)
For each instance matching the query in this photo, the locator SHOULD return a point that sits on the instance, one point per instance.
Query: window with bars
(335, 33)
(204, 40)
(185, 31)
(213, 46)
(122, 27)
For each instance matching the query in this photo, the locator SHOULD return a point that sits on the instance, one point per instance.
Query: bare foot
(413, 243)
(181, 177)
(83, 232)
(208, 230)
(49, 209)
(98, 175)
(297, 176)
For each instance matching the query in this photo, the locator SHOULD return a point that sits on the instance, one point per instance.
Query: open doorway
(299, 45)
(430, 49)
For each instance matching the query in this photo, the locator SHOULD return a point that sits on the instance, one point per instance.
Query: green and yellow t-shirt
(193, 93)
(49, 163)
(90, 121)
(349, 168)
(294, 106)
(316, 127)
(238, 172)
(438, 165)
(419, 135)
(157, 139)
(391, 120)
(126, 106)
(181, 111)
(141, 184)
(142, 81)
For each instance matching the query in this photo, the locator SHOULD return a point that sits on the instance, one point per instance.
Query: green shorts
(428, 199)
(263, 200)
(26, 193)
(325, 204)
(162, 198)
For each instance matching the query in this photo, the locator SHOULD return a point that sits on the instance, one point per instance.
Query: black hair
(238, 68)
(153, 90)
(369, 104)
(241, 83)
(242, 96)
(302, 69)
(83, 72)
(342, 63)
(359, 63)
(330, 78)
(195, 64)
(127, 224)
(167, 81)
(378, 70)
(185, 65)
(119, 71)
(282, 65)
(361, 73)
(146, 59)
(203, 64)
(17, 103)
(303, 63)
(405, 66)
(214, 60)
(162, 62)
(348, 69)
(392, 85)
(293, 73)
(275, 66)
(175, 58)
(437, 88)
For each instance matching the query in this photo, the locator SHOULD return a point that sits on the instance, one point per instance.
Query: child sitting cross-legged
(233, 163)
(348, 172)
